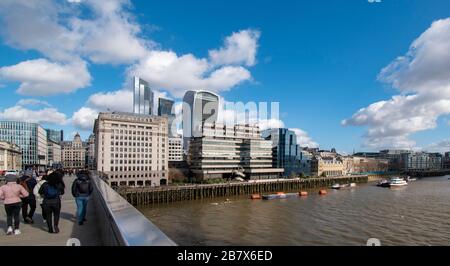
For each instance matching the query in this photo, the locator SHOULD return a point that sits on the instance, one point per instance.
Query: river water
(417, 214)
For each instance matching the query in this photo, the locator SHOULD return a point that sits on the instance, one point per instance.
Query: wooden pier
(168, 194)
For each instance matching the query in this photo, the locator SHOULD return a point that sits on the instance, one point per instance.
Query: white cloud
(45, 115)
(240, 48)
(60, 32)
(176, 74)
(440, 146)
(84, 118)
(120, 100)
(422, 78)
(112, 36)
(37, 25)
(32, 102)
(42, 77)
(303, 139)
(270, 123)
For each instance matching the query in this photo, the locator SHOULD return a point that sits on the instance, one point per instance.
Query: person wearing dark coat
(51, 192)
(81, 190)
(28, 182)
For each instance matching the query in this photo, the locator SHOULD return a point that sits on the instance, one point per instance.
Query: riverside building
(231, 151)
(327, 164)
(31, 139)
(132, 149)
(286, 152)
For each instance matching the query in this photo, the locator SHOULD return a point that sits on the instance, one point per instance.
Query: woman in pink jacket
(11, 194)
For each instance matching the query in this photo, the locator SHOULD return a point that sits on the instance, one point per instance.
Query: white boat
(336, 186)
(397, 182)
(409, 179)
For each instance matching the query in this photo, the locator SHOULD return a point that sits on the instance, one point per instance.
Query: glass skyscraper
(55, 135)
(198, 107)
(142, 97)
(30, 137)
(165, 107)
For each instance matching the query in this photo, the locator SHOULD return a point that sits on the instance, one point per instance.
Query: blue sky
(320, 59)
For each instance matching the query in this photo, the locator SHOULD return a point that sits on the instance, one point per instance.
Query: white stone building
(132, 149)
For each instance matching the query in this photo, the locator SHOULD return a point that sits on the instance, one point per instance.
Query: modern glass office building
(142, 97)
(198, 107)
(165, 107)
(55, 135)
(286, 152)
(30, 137)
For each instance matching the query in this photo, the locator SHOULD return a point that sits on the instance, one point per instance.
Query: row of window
(134, 144)
(131, 161)
(122, 155)
(133, 168)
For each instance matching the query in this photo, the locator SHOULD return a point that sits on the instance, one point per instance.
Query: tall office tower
(199, 107)
(142, 97)
(30, 137)
(165, 109)
(55, 135)
(132, 149)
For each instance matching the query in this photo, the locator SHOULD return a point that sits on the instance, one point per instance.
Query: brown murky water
(418, 214)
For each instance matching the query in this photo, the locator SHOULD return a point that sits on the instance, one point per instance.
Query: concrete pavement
(36, 234)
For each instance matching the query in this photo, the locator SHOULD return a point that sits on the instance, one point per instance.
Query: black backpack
(83, 187)
(51, 192)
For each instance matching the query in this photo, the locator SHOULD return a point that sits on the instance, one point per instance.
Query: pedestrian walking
(39, 198)
(11, 193)
(81, 190)
(51, 191)
(28, 182)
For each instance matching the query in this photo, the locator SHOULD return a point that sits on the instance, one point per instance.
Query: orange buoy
(303, 193)
(323, 192)
(255, 196)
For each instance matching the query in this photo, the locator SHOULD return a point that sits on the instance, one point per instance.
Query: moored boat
(383, 183)
(397, 182)
(336, 186)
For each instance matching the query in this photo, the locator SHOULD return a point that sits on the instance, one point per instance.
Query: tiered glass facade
(142, 97)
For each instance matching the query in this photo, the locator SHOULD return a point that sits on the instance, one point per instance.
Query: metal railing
(122, 224)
